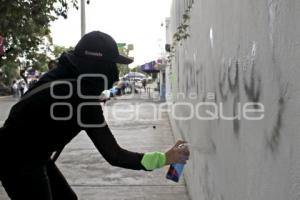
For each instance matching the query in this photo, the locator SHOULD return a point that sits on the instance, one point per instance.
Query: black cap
(97, 46)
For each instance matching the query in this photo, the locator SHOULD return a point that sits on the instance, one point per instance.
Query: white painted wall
(240, 51)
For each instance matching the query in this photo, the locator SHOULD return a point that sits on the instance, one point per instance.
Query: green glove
(153, 160)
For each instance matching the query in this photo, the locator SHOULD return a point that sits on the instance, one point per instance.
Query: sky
(137, 22)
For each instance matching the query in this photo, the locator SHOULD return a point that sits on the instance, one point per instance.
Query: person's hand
(179, 153)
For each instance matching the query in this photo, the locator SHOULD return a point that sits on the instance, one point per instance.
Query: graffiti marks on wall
(252, 86)
(195, 79)
(222, 83)
(234, 88)
(273, 136)
(229, 85)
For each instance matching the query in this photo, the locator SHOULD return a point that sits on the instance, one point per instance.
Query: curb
(6, 97)
(1, 97)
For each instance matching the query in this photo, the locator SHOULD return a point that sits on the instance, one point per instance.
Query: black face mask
(97, 77)
(107, 73)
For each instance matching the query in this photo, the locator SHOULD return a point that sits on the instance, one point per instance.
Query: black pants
(36, 182)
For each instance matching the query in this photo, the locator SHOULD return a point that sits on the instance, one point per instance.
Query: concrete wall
(239, 51)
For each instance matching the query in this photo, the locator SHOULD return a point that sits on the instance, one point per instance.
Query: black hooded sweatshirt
(47, 117)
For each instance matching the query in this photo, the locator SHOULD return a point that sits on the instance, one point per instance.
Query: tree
(124, 50)
(9, 71)
(58, 50)
(25, 26)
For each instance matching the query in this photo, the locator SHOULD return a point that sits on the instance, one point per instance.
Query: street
(94, 179)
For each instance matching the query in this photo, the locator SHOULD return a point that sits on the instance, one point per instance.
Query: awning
(134, 75)
(150, 67)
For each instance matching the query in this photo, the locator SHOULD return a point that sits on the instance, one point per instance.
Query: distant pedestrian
(21, 87)
(60, 110)
(144, 84)
(14, 89)
(127, 87)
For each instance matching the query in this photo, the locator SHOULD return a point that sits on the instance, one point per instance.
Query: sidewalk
(6, 103)
(94, 179)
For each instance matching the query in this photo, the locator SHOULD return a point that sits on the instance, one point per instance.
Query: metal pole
(82, 17)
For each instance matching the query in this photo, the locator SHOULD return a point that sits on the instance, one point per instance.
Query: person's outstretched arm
(107, 145)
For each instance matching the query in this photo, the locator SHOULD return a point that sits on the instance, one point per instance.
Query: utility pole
(82, 17)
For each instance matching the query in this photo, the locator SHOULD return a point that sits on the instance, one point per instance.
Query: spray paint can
(175, 169)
